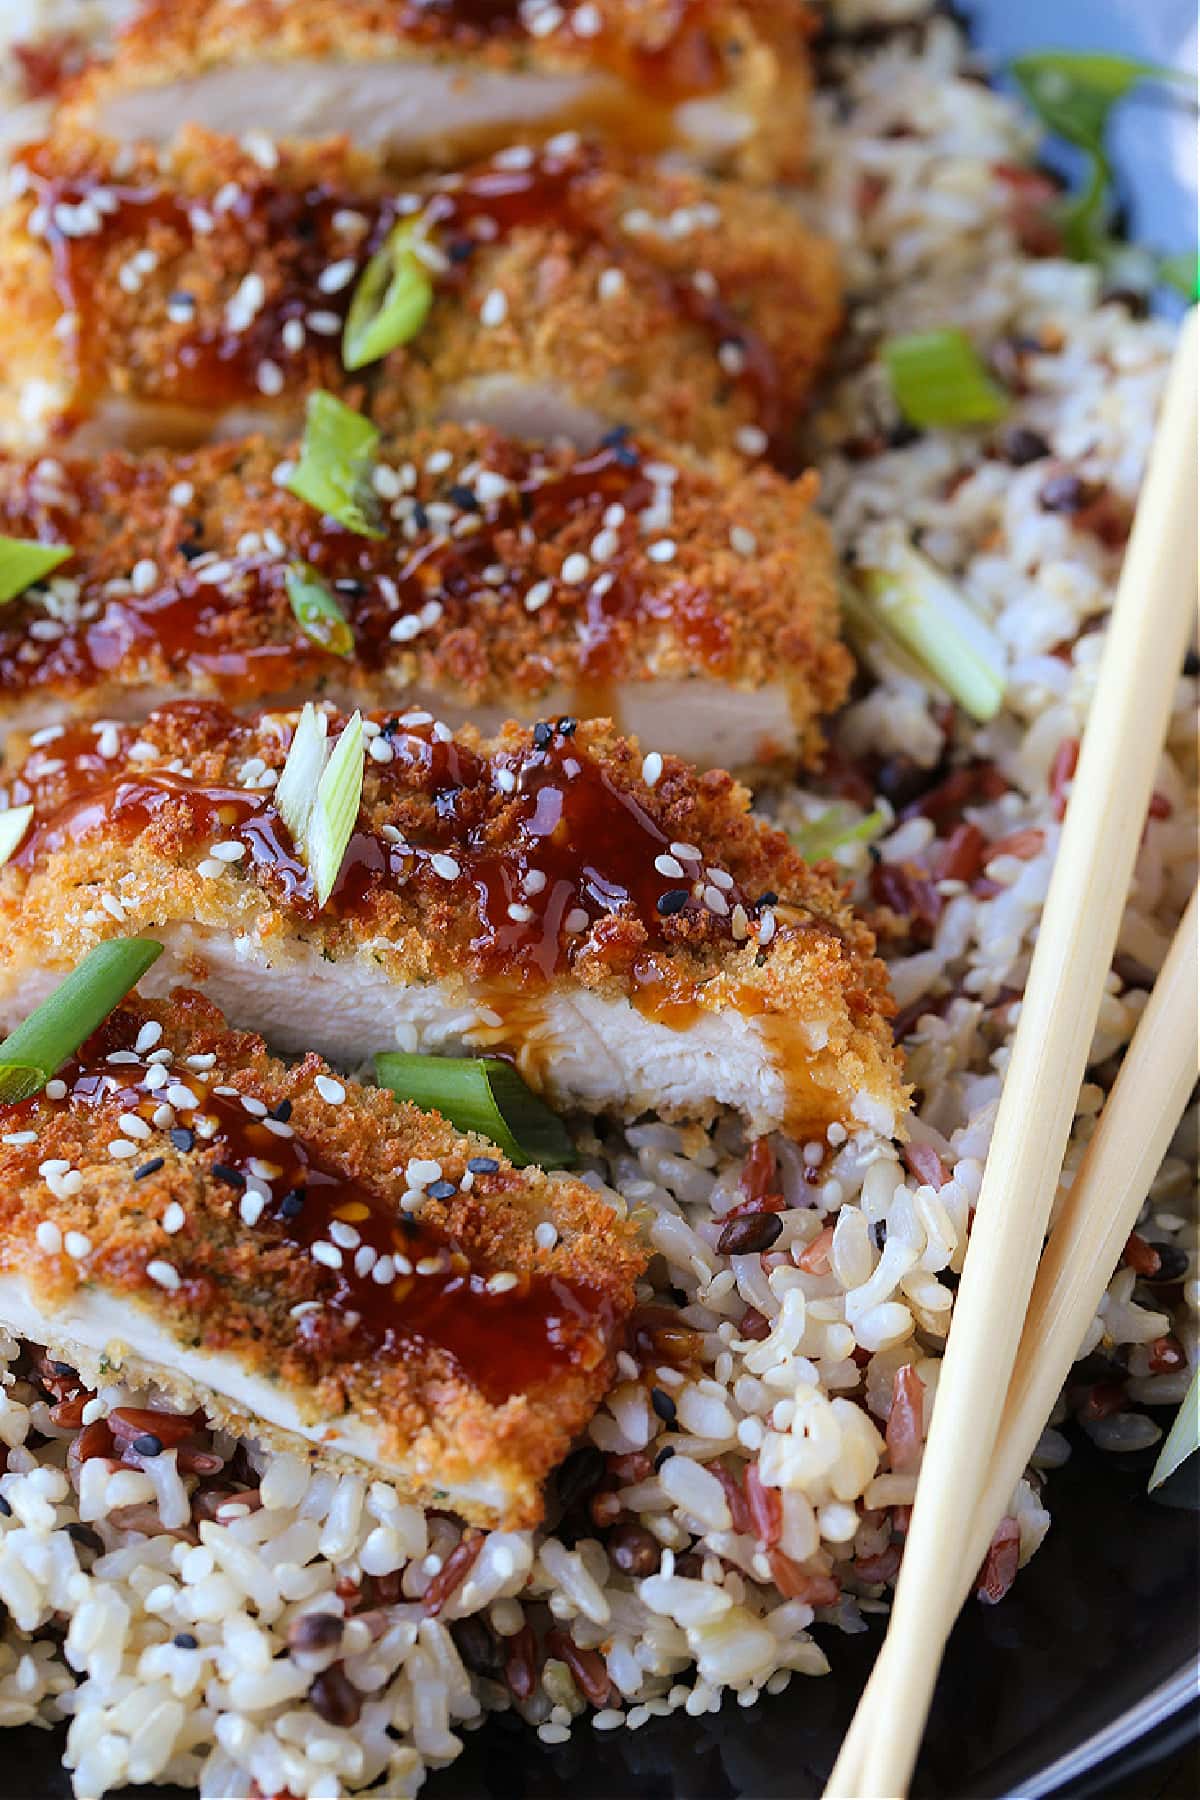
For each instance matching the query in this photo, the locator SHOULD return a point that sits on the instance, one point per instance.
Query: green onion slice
(30, 1055)
(482, 1094)
(390, 303)
(938, 379)
(334, 470)
(335, 809)
(317, 612)
(1183, 1439)
(23, 561)
(830, 831)
(914, 607)
(13, 825)
(296, 789)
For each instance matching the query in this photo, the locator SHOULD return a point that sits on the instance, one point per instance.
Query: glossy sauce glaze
(543, 841)
(505, 1341)
(238, 633)
(209, 364)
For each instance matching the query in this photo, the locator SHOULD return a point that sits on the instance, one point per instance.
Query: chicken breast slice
(620, 926)
(695, 604)
(315, 1263)
(201, 291)
(726, 83)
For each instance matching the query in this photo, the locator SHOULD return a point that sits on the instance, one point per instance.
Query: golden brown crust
(688, 308)
(748, 596)
(238, 1283)
(648, 56)
(449, 831)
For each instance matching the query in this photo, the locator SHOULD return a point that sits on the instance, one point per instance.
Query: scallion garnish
(335, 809)
(1183, 1439)
(1073, 93)
(334, 471)
(391, 302)
(30, 1055)
(481, 1094)
(24, 561)
(911, 604)
(14, 823)
(317, 612)
(830, 831)
(938, 379)
(318, 794)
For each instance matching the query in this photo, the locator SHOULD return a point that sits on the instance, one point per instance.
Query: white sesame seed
(156, 1077)
(330, 1090)
(20, 1137)
(278, 1128)
(269, 378)
(716, 902)
(489, 486)
(429, 1265)
(742, 540)
(329, 1254)
(445, 866)
(670, 866)
(77, 1246)
(228, 851)
(210, 868)
(421, 1171)
(533, 881)
(143, 575)
(163, 1117)
(502, 1283)
(652, 768)
(173, 1219)
(494, 310)
(576, 568)
(603, 545)
(732, 357)
(337, 275)
(324, 324)
(54, 1165)
(147, 1037)
(611, 283)
(519, 913)
(685, 852)
(121, 1148)
(164, 1273)
(662, 551)
(751, 440)
(720, 878)
(113, 907)
(180, 1097)
(182, 494)
(506, 781)
(546, 1235)
(766, 928)
(576, 921)
(383, 1271)
(245, 303)
(538, 595)
(364, 1260)
(49, 1237)
(133, 1127)
(344, 1235)
(251, 1205)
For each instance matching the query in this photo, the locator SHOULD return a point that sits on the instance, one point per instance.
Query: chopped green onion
(334, 470)
(335, 809)
(391, 302)
(830, 831)
(1183, 1439)
(317, 612)
(481, 1094)
(23, 561)
(14, 823)
(911, 604)
(938, 379)
(296, 789)
(30, 1055)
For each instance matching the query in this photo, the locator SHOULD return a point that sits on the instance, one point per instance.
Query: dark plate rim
(1133, 1727)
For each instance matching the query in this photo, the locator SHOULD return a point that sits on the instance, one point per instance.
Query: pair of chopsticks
(998, 1381)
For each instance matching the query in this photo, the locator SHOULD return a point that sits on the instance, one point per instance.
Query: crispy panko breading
(696, 603)
(172, 297)
(726, 81)
(310, 1259)
(620, 925)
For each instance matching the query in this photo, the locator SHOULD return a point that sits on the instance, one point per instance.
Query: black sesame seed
(579, 1476)
(464, 497)
(626, 458)
(483, 1165)
(62, 1368)
(5, 1508)
(543, 735)
(181, 297)
(147, 1444)
(183, 1138)
(85, 1537)
(282, 1112)
(1019, 445)
(183, 1640)
(663, 1405)
(673, 901)
(190, 551)
(231, 1177)
(566, 727)
(1191, 663)
(879, 1233)
(148, 1168)
(461, 250)
(292, 1204)
(1063, 494)
(767, 899)
(664, 1455)
(614, 438)
(408, 1224)
(441, 1190)
(902, 434)
(420, 516)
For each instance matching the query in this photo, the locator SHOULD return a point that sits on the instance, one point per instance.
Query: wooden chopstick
(1140, 666)
(1100, 1210)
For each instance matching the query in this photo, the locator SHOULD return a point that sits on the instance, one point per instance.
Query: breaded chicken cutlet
(722, 81)
(622, 927)
(696, 604)
(310, 1260)
(174, 297)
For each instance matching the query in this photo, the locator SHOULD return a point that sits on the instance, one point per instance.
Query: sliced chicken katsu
(620, 926)
(315, 1263)
(696, 604)
(727, 83)
(202, 291)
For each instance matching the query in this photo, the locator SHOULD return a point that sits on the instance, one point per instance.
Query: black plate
(1088, 1668)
